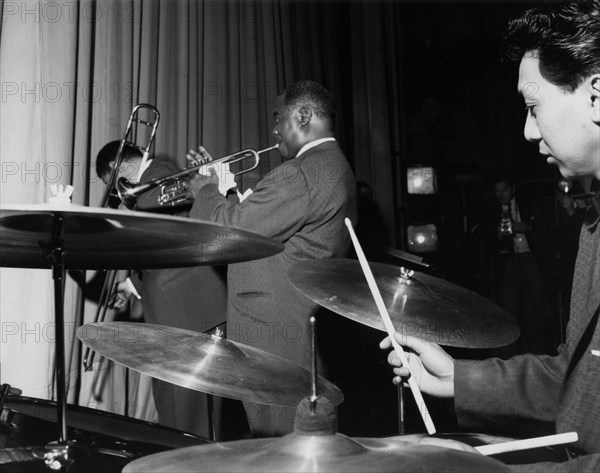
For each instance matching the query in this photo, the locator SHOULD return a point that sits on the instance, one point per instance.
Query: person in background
(558, 46)
(517, 237)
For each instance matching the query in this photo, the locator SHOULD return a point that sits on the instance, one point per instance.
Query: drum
(102, 441)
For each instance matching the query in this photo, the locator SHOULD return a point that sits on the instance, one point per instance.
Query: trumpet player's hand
(431, 367)
(199, 180)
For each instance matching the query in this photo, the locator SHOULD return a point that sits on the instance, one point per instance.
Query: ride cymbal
(421, 305)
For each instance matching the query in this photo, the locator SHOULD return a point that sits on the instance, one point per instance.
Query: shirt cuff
(132, 288)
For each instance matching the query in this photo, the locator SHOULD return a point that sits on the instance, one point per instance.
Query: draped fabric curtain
(71, 72)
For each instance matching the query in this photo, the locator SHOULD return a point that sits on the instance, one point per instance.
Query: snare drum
(103, 442)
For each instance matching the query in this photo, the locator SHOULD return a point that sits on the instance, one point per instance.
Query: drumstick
(387, 321)
(526, 444)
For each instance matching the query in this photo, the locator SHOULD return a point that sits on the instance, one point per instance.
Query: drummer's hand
(120, 296)
(194, 158)
(431, 367)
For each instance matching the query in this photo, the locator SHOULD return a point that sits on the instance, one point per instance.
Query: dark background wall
(446, 100)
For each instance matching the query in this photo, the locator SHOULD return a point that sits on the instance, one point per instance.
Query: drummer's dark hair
(108, 154)
(565, 38)
(314, 95)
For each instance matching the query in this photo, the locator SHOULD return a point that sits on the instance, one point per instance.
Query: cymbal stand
(401, 428)
(57, 453)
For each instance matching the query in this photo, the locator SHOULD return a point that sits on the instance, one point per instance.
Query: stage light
(421, 180)
(422, 238)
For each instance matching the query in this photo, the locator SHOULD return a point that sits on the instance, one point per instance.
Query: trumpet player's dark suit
(303, 204)
(192, 298)
(561, 391)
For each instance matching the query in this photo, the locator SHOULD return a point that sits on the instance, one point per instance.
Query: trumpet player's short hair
(109, 153)
(565, 39)
(313, 95)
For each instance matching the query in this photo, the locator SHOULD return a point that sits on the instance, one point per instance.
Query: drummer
(559, 77)
(302, 203)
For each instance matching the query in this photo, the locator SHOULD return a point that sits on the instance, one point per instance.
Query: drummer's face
(287, 129)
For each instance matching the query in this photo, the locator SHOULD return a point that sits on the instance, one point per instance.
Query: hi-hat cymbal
(317, 453)
(94, 238)
(205, 363)
(420, 305)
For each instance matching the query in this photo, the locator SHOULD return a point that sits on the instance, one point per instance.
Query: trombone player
(302, 203)
(191, 298)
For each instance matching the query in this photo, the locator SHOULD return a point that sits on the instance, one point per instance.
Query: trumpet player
(302, 203)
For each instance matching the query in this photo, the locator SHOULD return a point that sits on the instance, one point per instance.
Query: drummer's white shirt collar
(312, 144)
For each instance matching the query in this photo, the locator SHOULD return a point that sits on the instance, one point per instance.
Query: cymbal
(205, 363)
(98, 238)
(317, 453)
(421, 305)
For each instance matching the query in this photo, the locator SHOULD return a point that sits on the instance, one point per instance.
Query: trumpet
(174, 187)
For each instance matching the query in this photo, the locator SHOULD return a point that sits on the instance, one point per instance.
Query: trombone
(132, 129)
(174, 187)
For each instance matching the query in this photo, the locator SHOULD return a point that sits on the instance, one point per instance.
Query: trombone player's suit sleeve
(302, 203)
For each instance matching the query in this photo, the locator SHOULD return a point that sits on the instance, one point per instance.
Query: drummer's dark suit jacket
(561, 391)
(302, 203)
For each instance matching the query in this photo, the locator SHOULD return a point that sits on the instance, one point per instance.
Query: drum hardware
(69, 236)
(174, 187)
(129, 140)
(6, 390)
(314, 446)
(101, 441)
(418, 304)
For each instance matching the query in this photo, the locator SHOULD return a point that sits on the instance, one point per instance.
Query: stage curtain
(71, 71)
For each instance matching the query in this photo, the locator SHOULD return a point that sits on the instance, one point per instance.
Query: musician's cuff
(133, 289)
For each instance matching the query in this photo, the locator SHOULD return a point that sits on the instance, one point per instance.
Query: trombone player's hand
(120, 295)
(195, 158)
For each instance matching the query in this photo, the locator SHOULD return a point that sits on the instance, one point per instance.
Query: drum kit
(61, 237)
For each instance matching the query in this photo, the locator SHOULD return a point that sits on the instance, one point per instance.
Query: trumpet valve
(173, 193)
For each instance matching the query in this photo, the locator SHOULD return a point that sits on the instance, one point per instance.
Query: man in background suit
(517, 237)
(192, 298)
(303, 204)
(559, 78)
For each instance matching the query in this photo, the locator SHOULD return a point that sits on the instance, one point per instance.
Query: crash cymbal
(420, 305)
(94, 238)
(317, 453)
(205, 363)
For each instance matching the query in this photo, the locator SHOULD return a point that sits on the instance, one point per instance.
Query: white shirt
(312, 144)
